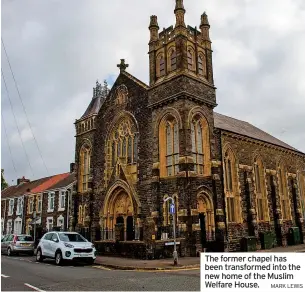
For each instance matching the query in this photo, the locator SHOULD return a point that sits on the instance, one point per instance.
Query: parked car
(15, 244)
(63, 246)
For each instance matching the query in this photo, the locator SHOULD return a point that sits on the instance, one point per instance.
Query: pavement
(184, 263)
(22, 273)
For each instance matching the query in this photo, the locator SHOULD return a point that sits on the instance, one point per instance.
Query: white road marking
(33, 287)
(4, 276)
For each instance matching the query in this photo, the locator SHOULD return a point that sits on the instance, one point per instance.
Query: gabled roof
(136, 80)
(93, 107)
(65, 182)
(35, 186)
(244, 128)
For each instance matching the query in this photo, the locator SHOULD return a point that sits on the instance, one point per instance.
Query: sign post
(173, 211)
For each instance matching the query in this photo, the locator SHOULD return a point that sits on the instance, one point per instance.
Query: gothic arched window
(200, 145)
(173, 60)
(231, 189)
(123, 143)
(201, 65)
(84, 168)
(283, 189)
(169, 147)
(190, 59)
(301, 183)
(261, 196)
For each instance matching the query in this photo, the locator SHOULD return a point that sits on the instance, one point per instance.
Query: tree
(4, 184)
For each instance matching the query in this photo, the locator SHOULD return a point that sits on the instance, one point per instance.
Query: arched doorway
(206, 217)
(120, 217)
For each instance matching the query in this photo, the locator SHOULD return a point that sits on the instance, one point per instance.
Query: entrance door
(129, 229)
(203, 231)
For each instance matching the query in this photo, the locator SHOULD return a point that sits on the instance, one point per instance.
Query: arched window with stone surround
(283, 190)
(84, 169)
(200, 144)
(262, 208)
(190, 59)
(160, 65)
(201, 65)
(233, 207)
(301, 184)
(169, 147)
(173, 60)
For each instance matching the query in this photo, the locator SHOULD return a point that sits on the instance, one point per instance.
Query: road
(22, 273)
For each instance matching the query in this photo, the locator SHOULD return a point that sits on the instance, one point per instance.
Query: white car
(63, 246)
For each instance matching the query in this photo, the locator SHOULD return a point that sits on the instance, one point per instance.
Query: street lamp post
(175, 254)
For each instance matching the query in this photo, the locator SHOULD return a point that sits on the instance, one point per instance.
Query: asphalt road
(22, 273)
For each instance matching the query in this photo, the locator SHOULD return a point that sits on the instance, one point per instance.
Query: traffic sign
(172, 209)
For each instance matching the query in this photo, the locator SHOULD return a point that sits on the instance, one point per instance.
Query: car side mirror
(55, 240)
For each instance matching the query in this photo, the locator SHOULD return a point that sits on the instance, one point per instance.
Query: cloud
(58, 49)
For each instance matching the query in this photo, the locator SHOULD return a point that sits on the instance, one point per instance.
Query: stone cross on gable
(122, 65)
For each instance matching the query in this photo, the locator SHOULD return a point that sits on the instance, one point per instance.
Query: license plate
(25, 244)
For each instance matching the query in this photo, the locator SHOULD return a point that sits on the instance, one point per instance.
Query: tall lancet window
(84, 168)
(173, 59)
(162, 66)
(283, 188)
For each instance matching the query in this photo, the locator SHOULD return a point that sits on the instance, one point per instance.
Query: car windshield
(24, 238)
(73, 237)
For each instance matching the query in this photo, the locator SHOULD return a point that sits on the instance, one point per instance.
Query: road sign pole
(173, 211)
(34, 216)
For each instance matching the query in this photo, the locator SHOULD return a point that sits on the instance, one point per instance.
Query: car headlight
(68, 245)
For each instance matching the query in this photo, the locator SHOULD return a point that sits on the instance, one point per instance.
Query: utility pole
(173, 211)
(34, 217)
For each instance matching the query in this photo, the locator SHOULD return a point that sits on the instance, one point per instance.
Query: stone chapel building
(138, 144)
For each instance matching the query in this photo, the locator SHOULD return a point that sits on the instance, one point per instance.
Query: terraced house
(138, 144)
(44, 202)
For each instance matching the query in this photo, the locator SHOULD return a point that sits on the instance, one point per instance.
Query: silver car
(14, 244)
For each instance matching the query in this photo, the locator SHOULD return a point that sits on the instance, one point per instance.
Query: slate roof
(93, 107)
(35, 186)
(65, 182)
(244, 128)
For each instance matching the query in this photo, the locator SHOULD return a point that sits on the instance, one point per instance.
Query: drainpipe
(67, 208)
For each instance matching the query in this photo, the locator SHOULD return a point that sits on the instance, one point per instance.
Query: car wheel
(9, 252)
(91, 261)
(58, 258)
(39, 257)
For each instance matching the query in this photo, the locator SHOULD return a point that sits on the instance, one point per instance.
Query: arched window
(261, 196)
(124, 141)
(173, 59)
(169, 146)
(190, 59)
(200, 145)
(160, 65)
(80, 214)
(301, 183)
(84, 168)
(283, 189)
(231, 190)
(201, 65)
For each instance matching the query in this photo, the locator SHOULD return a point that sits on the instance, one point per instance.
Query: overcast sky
(59, 48)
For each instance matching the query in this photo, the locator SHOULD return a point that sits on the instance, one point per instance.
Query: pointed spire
(205, 27)
(179, 12)
(154, 28)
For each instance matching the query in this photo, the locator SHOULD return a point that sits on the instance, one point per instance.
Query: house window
(19, 206)
(285, 204)
(60, 222)
(51, 199)
(17, 225)
(50, 223)
(80, 214)
(62, 200)
(84, 167)
(301, 181)
(31, 204)
(39, 203)
(231, 191)
(9, 226)
(11, 207)
(173, 59)
(261, 197)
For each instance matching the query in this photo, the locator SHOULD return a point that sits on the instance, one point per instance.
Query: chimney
(22, 180)
(72, 166)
